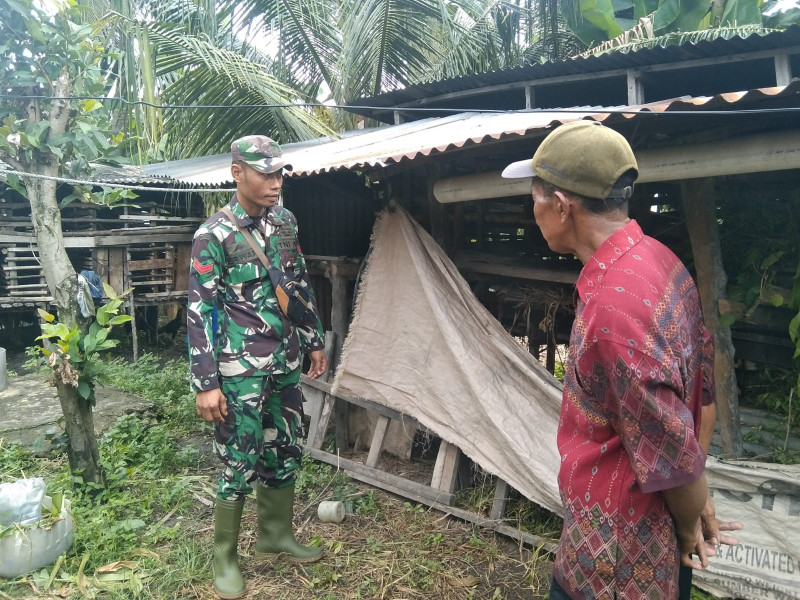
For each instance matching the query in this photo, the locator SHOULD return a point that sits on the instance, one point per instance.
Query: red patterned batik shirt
(640, 366)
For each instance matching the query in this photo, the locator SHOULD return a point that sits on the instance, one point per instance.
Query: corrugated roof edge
(394, 144)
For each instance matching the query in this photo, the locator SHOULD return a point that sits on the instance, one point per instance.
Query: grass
(149, 533)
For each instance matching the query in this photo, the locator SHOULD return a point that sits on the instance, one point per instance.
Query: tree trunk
(84, 457)
(699, 206)
(61, 279)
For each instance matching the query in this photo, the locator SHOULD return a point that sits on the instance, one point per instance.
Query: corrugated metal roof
(384, 146)
(592, 64)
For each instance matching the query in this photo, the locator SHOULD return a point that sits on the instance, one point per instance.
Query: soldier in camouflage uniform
(247, 380)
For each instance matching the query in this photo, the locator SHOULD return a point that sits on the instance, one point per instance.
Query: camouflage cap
(259, 152)
(583, 157)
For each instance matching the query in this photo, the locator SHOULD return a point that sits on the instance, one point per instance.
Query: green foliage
(75, 355)
(597, 21)
(48, 56)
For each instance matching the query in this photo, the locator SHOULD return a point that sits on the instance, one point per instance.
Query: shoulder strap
(253, 244)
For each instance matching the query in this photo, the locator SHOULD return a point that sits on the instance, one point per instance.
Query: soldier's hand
(319, 363)
(211, 405)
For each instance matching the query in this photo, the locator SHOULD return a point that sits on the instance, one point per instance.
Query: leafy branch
(73, 354)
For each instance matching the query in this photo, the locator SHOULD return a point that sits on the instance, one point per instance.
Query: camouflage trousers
(259, 437)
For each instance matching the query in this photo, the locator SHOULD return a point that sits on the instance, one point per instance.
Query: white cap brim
(518, 170)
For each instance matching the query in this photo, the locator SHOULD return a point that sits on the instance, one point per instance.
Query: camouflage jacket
(255, 338)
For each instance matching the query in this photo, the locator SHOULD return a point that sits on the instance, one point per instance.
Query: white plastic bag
(21, 502)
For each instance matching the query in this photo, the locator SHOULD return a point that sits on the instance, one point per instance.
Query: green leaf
(84, 391)
(741, 12)
(776, 299)
(119, 319)
(794, 326)
(727, 319)
(45, 315)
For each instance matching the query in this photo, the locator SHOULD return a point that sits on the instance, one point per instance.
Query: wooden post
(500, 500)
(339, 314)
(550, 358)
(530, 97)
(445, 469)
(434, 207)
(635, 87)
(699, 206)
(378, 436)
(783, 70)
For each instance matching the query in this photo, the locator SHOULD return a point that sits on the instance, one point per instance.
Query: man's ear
(563, 205)
(237, 172)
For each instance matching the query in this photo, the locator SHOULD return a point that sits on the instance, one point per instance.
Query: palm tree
(240, 53)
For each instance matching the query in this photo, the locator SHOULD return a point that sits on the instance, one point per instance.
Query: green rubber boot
(275, 508)
(228, 581)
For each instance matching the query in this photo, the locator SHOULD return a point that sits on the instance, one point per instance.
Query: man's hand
(712, 527)
(693, 543)
(211, 405)
(319, 363)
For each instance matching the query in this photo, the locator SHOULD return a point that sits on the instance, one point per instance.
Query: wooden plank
(446, 467)
(376, 445)
(160, 218)
(500, 500)
(383, 480)
(116, 269)
(315, 396)
(183, 256)
(428, 496)
(151, 263)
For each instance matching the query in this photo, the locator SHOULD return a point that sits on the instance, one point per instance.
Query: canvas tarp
(421, 343)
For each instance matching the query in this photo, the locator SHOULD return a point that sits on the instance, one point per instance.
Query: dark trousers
(684, 586)
(557, 592)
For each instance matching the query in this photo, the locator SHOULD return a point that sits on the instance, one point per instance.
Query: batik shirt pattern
(640, 366)
(255, 337)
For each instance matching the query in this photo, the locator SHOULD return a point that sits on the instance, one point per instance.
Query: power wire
(587, 110)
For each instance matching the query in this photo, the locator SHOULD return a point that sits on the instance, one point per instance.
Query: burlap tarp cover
(421, 343)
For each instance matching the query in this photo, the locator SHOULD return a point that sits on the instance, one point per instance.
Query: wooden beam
(783, 70)
(530, 97)
(700, 208)
(477, 264)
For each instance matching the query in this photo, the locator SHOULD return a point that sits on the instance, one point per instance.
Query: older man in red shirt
(639, 369)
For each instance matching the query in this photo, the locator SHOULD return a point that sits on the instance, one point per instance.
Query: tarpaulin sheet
(421, 343)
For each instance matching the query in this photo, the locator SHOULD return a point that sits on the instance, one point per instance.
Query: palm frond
(210, 75)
